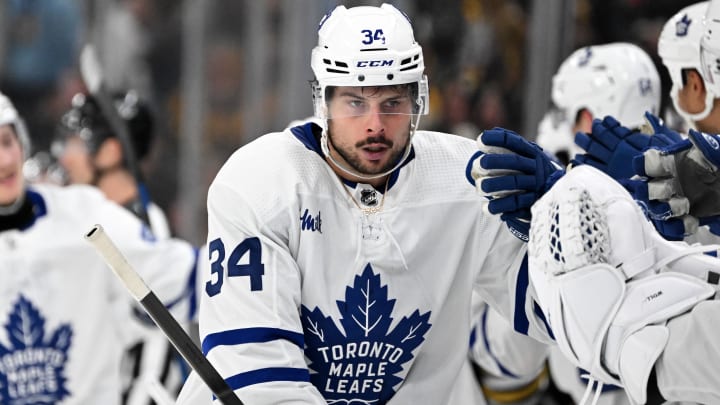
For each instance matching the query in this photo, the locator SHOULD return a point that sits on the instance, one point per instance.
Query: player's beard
(350, 156)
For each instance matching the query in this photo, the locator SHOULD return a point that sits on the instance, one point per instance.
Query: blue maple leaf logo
(682, 26)
(364, 365)
(31, 368)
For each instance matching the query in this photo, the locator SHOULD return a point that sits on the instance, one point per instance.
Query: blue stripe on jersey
(268, 375)
(521, 322)
(539, 313)
(250, 335)
(487, 345)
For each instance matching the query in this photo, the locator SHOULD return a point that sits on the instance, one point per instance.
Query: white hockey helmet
(367, 46)
(679, 48)
(710, 48)
(617, 79)
(9, 115)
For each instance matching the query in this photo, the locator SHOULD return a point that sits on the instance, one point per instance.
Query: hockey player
(617, 79)
(693, 97)
(628, 333)
(63, 312)
(91, 153)
(589, 83)
(343, 255)
(612, 147)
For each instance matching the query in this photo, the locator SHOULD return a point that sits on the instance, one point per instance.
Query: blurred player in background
(65, 315)
(617, 79)
(610, 79)
(90, 152)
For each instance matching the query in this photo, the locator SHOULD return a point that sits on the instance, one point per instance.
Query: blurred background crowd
(220, 73)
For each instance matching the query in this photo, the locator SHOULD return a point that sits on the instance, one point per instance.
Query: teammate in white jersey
(672, 384)
(90, 152)
(343, 255)
(63, 311)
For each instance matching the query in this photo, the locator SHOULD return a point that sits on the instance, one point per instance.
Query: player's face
(369, 127)
(76, 161)
(11, 165)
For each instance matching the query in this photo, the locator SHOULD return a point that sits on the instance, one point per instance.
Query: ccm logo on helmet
(374, 63)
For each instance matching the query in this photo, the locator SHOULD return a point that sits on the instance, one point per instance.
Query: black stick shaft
(187, 348)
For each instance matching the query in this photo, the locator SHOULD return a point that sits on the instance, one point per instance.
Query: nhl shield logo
(369, 198)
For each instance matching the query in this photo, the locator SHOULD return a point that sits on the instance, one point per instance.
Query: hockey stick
(91, 72)
(162, 317)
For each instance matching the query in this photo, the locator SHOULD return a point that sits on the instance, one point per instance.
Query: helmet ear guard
(679, 49)
(710, 50)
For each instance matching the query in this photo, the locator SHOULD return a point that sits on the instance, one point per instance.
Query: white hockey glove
(607, 281)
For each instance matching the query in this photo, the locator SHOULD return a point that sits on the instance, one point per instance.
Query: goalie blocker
(607, 281)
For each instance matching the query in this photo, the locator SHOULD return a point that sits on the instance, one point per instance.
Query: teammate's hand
(611, 147)
(685, 172)
(666, 211)
(512, 173)
(659, 129)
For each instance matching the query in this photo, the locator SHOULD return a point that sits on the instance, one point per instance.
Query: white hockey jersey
(62, 309)
(309, 300)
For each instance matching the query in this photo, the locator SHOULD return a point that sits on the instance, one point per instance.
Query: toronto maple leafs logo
(31, 368)
(363, 365)
(645, 86)
(682, 26)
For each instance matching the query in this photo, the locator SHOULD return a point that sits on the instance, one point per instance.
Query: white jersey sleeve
(500, 350)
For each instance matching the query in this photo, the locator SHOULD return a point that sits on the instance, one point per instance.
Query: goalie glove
(512, 173)
(606, 281)
(611, 147)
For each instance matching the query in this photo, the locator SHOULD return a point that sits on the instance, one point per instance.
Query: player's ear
(693, 93)
(695, 84)
(110, 151)
(583, 123)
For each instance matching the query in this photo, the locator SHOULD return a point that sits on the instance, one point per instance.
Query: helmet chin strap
(324, 141)
(689, 117)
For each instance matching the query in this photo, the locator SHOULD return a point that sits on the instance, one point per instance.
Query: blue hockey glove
(667, 214)
(610, 147)
(513, 173)
(658, 128)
